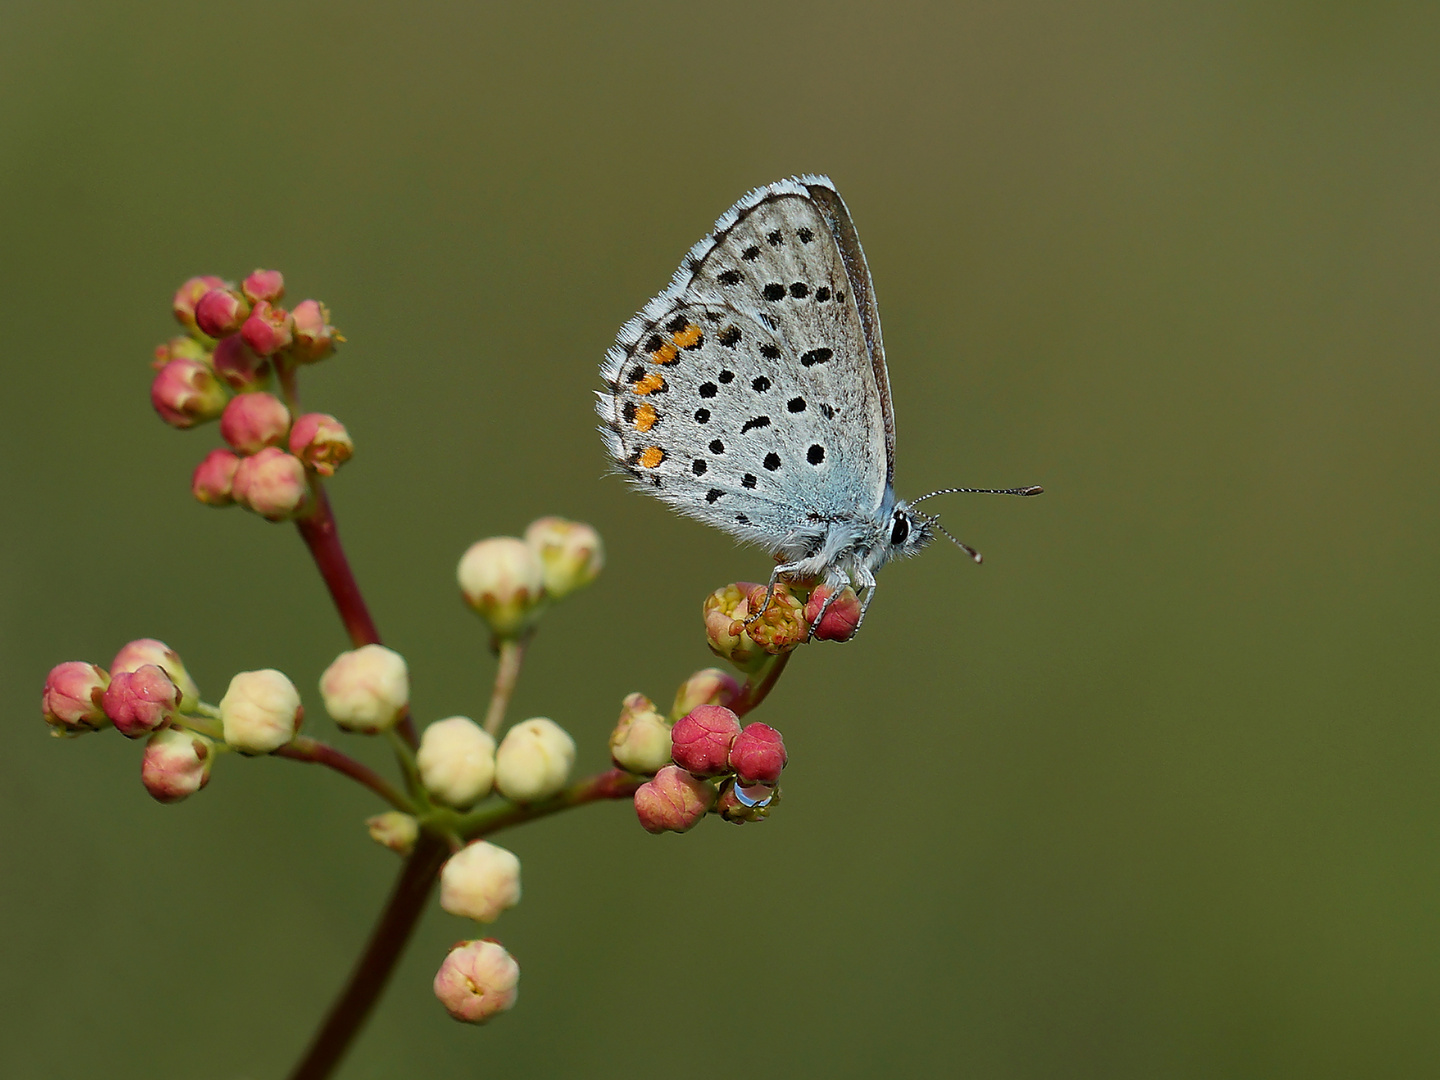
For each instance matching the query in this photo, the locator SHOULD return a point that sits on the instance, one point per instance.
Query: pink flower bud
(264, 285)
(477, 981)
(570, 553)
(503, 580)
(480, 881)
(710, 686)
(178, 348)
(237, 366)
(176, 764)
(185, 393)
(271, 483)
(189, 294)
(221, 311)
(140, 701)
(268, 329)
(758, 754)
(394, 830)
(701, 739)
(640, 742)
(253, 421)
(741, 803)
(260, 712)
(213, 478)
(321, 441)
(841, 617)
(366, 689)
(136, 654)
(674, 801)
(315, 338)
(72, 698)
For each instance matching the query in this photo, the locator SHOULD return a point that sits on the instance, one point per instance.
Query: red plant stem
(753, 693)
(372, 971)
(322, 537)
(304, 748)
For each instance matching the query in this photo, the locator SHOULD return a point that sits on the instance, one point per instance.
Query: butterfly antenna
(977, 491)
(934, 522)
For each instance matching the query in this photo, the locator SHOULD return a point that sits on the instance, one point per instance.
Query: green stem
(613, 784)
(759, 685)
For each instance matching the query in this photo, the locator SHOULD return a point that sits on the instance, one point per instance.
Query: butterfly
(752, 393)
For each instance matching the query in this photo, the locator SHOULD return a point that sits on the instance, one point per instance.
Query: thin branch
(304, 748)
(507, 674)
(613, 784)
(322, 536)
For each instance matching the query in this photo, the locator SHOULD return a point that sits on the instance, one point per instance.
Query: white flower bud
(477, 980)
(641, 740)
(260, 712)
(394, 830)
(366, 689)
(457, 761)
(480, 881)
(503, 580)
(534, 760)
(570, 552)
(176, 764)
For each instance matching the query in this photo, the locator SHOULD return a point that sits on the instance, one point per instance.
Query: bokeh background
(1151, 793)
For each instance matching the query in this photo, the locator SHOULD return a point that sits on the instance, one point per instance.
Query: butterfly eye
(900, 531)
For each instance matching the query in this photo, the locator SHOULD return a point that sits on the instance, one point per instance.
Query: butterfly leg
(775, 575)
(864, 579)
(835, 581)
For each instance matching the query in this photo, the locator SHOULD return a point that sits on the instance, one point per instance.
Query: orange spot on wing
(666, 354)
(649, 384)
(645, 417)
(651, 456)
(689, 336)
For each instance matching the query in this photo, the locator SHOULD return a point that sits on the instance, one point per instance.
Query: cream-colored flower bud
(457, 761)
(534, 760)
(640, 742)
(260, 712)
(366, 689)
(503, 580)
(480, 881)
(394, 830)
(570, 552)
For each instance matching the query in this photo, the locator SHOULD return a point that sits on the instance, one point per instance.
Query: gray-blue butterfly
(752, 393)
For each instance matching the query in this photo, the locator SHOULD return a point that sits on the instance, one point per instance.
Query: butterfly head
(909, 531)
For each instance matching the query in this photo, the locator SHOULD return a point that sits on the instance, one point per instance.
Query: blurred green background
(1152, 793)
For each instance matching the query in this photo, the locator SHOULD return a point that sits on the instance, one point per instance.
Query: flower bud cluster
(239, 336)
(709, 745)
(748, 624)
(508, 581)
(147, 693)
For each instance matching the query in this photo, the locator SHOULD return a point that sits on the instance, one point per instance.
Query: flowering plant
(460, 781)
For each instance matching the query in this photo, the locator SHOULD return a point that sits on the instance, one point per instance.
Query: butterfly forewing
(729, 390)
